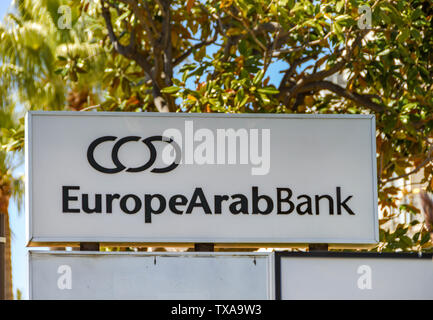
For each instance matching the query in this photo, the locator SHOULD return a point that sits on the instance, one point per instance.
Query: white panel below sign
(126, 275)
(355, 276)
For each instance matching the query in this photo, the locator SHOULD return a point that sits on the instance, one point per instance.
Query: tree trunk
(9, 295)
(5, 195)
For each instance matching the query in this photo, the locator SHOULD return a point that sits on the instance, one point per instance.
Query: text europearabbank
(283, 202)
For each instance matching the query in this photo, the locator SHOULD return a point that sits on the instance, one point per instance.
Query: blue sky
(3, 7)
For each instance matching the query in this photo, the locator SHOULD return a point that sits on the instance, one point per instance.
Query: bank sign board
(200, 178)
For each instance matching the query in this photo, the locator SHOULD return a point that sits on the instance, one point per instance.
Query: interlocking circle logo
(115, 154)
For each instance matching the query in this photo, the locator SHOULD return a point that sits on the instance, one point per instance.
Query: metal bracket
(89, 246)
(318, 247)
(204, 247)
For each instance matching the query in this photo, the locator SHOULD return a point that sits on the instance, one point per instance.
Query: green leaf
(416, 14)
(414, 223)
(258, 77)
(406, 241)
(385, 52)
(185, 76)
(336, 28)
(425, 238)
(393, 13)
(416, 34)
(170, 90)
(268, 90)
(189, 66)
(339, 5)
(403, 51)
(343, 17)
(403, 35)
(424, 71)
(385, 17)
(264, 98)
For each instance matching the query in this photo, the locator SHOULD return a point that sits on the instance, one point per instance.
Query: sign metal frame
(33, 240)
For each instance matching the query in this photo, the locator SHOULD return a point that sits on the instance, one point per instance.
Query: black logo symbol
(115, 154)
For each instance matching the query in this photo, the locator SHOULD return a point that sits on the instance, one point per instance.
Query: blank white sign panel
(78, 275)
(356, 278)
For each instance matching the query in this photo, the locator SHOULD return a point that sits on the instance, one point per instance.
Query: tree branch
(127, 51)
(193, 48)
(163, 104)
(287, 93)
(166, 41)
(317, 42)
(418, 168)
(289, 72)
(359, 99)
(144, 19)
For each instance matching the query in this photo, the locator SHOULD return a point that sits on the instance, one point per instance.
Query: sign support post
(204, 247)
(318, 247)
(89, 246)
(2, 258)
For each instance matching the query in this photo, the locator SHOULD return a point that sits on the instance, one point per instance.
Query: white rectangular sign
(344, 276)
(188, 178)
(126, 275)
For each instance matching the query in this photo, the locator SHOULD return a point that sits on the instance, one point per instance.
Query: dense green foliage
(239, 56)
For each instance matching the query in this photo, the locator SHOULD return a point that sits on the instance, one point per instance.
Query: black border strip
(338, 254)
